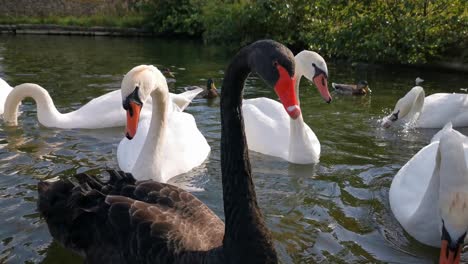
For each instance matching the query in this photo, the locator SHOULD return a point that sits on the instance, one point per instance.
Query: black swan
(128, 221)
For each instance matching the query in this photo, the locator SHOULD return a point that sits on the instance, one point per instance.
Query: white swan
(429, 195)
(165, 145)
(5, 89)
(433, 111)
(270, 130)
(101, 112)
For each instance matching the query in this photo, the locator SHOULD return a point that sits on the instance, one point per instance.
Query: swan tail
(118, 180)
(182, 100)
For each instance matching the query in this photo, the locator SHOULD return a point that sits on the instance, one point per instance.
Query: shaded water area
(336, 211)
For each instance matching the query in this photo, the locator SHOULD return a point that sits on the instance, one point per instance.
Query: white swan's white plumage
(5, 89)
(433, 111)
(433, 187)
(270, 130)
(101, 112)
(166, 144)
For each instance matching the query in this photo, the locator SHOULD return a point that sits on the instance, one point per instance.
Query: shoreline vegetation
(416, 33)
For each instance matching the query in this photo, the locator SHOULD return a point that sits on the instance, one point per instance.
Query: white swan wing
(129, 150)
(264, 133)
(184, 148)
(106, 110)
(182, 100)
(441, 108)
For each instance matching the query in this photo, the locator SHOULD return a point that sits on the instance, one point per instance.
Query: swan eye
(275, 63)
(319, 71)
(394, 116)
(134, 97)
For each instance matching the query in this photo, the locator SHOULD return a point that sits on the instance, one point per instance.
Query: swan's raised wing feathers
(146, 220)
(182, 100)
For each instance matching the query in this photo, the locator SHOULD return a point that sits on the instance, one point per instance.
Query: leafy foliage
(390, 31)
(174, 17)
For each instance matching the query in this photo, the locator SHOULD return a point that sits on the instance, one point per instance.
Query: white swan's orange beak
(284, 88)
(133, 116)
(321, 82)
(448, 255)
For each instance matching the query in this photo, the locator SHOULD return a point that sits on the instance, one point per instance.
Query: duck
(428, 196)
(434, 111)
(168, 142)
(266, 121)
(5, 89)
(361, 88)
(101, 112)
(127, 221)
(170, 77)
(209, 92)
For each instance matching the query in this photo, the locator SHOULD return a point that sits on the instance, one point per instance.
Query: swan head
(453, 194)
(275, 64)
(314, 68)
(412, 103)
(137, 86)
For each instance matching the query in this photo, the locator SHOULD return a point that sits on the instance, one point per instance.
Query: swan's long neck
(412, 104)
(298, 81)
(299, 142)
(47, 113)
(150, 157)
(246, 239)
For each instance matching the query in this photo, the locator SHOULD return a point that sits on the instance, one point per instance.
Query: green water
(336, 211)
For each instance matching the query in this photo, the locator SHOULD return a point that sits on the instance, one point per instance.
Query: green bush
(174, 17)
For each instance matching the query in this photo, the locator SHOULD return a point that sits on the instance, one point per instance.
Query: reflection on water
(336, 211)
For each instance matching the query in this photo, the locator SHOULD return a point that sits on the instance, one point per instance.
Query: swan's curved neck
(246, 237)
(46, 110)
(413, 104)
(299, 75)
(150, 158)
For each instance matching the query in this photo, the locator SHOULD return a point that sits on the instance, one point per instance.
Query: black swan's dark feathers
(143, 221)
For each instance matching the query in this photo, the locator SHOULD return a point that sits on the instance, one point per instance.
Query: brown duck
(209, 92)
(361, 88)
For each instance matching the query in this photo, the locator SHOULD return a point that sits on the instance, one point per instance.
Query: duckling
(170, 77)
(209, 91)
(361, 88)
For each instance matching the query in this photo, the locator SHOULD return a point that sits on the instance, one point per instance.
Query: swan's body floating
(168, 143)
(124, 221)
(271, 131)
(429, 195)
(101, 112)
(433, 111)
(361, 88)
(5, 89)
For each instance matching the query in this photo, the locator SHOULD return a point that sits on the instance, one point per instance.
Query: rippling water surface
(336, 211)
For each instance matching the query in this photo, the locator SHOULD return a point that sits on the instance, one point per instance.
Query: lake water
(336, 211)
